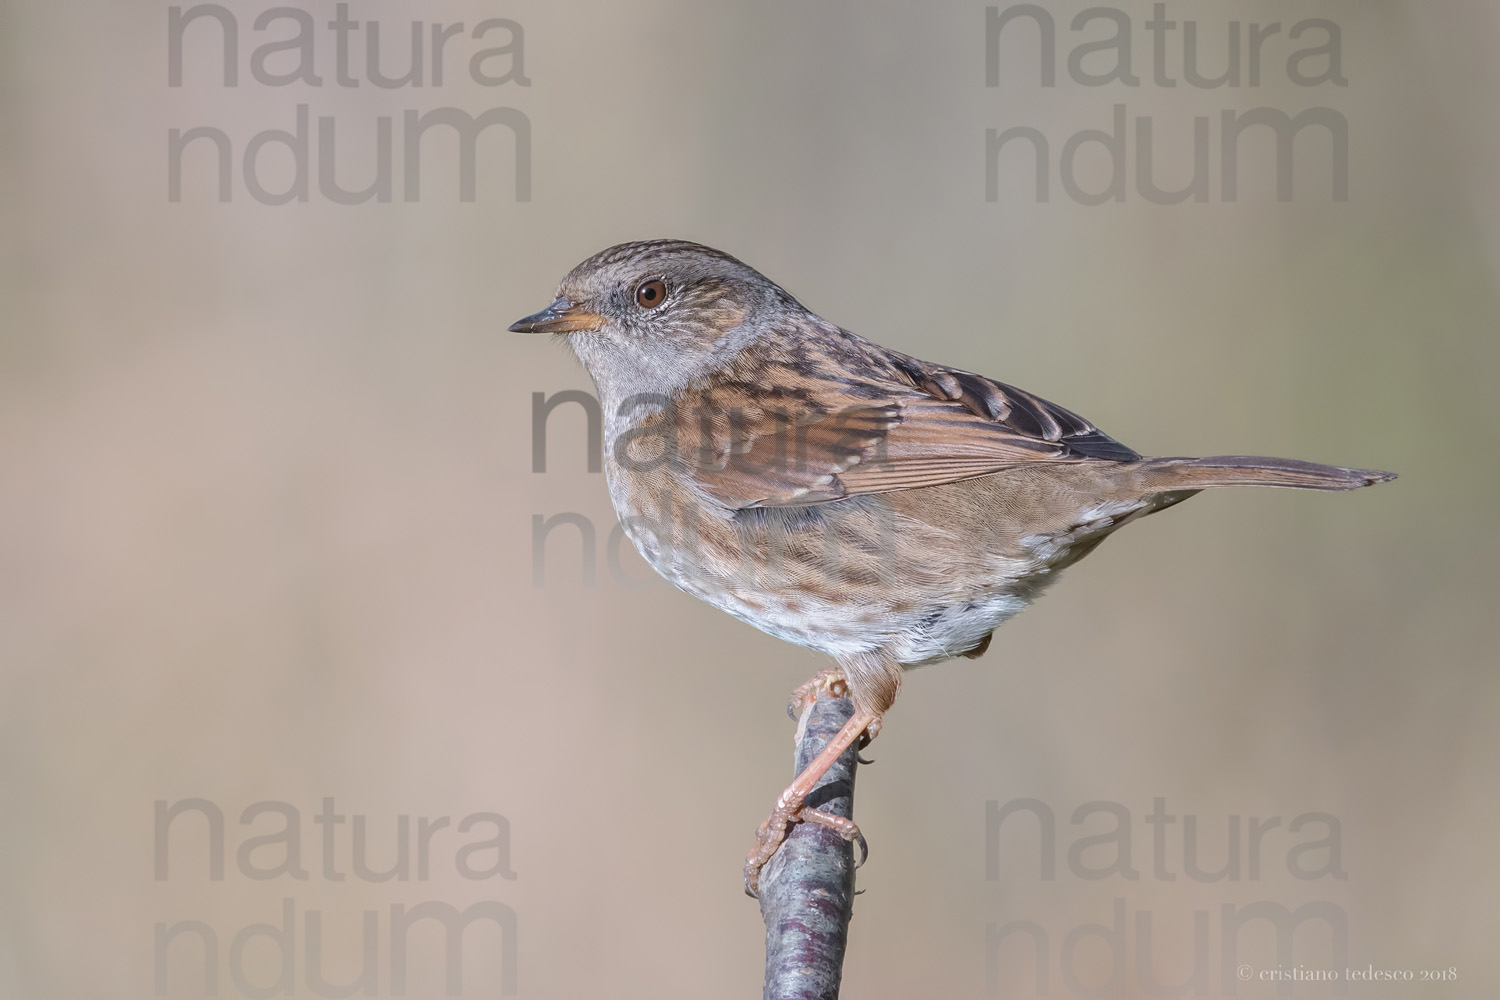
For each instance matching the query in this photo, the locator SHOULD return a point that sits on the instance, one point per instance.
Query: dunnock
(888, 511)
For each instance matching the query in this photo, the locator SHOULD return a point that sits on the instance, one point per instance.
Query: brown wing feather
(786, 430)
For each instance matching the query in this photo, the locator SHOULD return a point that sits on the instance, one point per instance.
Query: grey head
(656, 315)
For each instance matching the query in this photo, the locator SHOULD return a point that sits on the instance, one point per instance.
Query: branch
(807, 888)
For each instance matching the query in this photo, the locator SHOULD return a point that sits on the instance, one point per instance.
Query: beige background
(266, 499)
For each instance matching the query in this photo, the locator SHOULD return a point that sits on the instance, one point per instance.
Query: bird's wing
(790, 432)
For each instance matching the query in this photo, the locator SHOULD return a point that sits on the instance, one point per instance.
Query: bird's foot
(791, 807)
(773, 833)
(830, 682)
(833, 684)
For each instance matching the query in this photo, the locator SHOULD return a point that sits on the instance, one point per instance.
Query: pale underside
(919, 575)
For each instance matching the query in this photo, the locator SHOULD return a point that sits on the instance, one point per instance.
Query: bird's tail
(1253, 470)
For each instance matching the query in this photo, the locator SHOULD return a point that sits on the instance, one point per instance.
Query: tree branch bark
(807, 888)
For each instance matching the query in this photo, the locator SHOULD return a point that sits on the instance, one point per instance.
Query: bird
(887, 511)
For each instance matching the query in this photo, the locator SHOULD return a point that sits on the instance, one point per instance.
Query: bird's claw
(782, 819)
(831, 682)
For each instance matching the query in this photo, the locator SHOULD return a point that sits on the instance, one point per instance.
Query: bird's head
(654, 316)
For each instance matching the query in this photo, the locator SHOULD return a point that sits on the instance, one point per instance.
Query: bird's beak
(561, 316)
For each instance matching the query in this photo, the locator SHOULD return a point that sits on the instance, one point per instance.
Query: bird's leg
(790, 808)
(871, 680)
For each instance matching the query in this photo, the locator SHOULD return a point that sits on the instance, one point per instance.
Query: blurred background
(267, 497)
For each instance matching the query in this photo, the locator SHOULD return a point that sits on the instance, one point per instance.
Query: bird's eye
(651, 294)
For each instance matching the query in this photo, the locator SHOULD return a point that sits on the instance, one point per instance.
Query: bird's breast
(840, 577)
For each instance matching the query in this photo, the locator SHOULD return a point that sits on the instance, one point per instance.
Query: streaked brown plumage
(885, 510)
